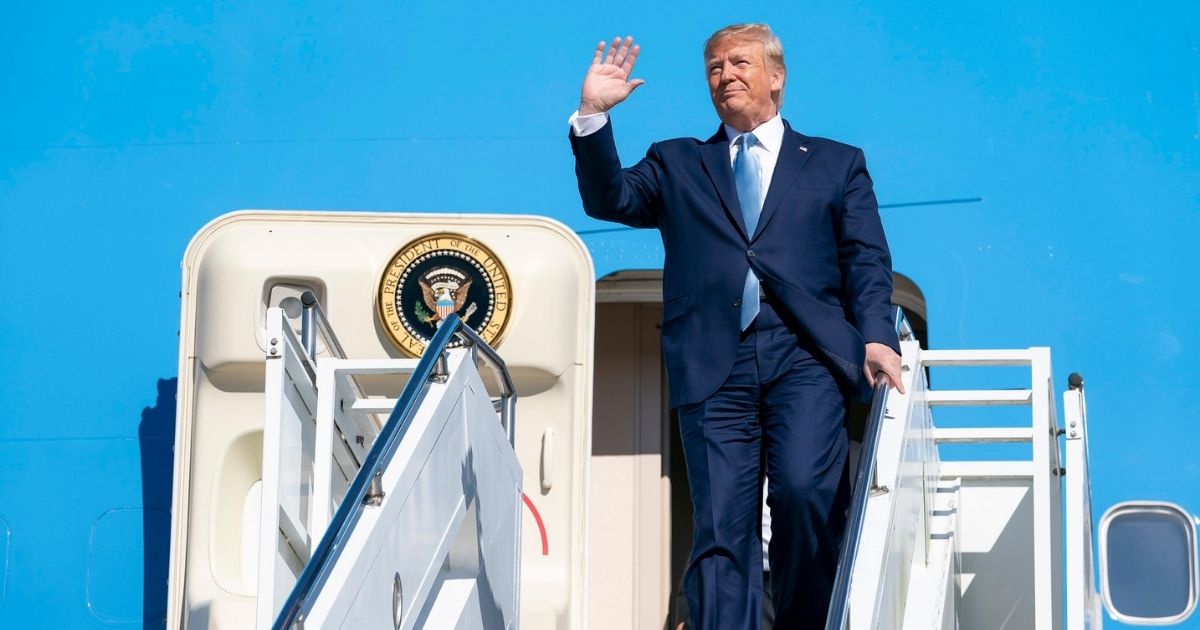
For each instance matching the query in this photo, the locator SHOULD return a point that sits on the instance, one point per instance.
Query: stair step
(983, 435)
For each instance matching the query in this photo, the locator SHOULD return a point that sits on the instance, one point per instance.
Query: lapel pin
(804, 149)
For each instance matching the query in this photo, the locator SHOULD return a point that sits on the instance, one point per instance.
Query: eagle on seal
(442, 301)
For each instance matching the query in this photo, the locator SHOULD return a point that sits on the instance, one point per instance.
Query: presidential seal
(440, 274)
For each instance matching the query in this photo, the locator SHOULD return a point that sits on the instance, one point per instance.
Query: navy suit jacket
(818, 250)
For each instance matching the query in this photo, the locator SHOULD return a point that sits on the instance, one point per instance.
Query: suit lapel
(714, 155)
(793, 155)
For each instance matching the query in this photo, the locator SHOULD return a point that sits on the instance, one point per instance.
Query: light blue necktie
(749, 187)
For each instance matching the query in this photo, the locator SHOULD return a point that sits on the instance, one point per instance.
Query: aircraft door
(384, 280)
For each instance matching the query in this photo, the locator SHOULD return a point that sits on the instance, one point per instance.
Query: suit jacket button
(750, 253)
(737, 303)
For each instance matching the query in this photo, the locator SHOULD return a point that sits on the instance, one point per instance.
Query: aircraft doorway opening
(639, 512)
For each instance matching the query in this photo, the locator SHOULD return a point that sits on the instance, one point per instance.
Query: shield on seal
(445, 304)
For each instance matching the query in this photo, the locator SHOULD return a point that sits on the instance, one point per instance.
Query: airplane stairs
(982, 543)
(414, 522)
(406, 523)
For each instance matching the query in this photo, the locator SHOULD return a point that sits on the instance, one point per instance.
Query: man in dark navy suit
(776, 308)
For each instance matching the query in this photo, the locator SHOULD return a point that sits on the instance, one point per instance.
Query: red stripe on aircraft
(541, 526)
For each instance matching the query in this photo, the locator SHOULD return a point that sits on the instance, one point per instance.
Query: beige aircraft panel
(244, 262)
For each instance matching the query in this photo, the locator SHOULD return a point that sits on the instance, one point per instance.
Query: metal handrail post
(319, 321)
(508, 391)
(308, 328)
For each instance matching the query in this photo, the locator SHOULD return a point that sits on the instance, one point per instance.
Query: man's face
(741, 81)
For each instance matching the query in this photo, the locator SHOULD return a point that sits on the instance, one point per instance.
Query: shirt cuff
(587, 125)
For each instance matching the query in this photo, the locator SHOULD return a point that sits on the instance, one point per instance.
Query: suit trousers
(779, 412)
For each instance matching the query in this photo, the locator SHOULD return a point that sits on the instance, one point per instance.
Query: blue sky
(128, 126)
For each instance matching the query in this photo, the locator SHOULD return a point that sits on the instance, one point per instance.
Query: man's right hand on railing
(884, 362)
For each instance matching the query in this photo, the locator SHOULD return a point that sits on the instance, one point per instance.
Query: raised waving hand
(607, 82)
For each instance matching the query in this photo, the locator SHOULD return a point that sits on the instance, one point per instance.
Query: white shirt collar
(769, 134)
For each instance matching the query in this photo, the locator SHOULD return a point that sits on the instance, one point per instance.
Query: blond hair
(757, 32)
